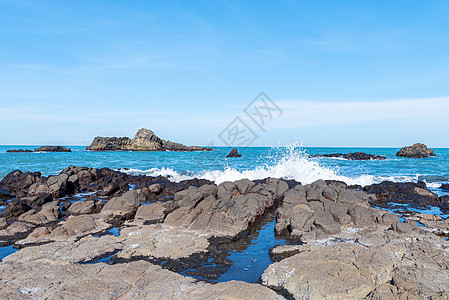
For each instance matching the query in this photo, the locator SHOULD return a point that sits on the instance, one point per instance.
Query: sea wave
(289, 163)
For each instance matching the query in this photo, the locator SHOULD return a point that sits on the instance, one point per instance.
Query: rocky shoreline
(101, 232)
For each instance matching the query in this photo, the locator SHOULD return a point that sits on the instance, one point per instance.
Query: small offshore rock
(416, 151)
(234, 153)
(52, 149)
(18, 151)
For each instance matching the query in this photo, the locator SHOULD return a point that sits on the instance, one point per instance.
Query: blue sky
(361, 73)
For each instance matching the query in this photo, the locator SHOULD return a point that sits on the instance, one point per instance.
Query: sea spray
(290, 162)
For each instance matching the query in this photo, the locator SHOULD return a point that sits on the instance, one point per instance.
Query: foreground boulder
(144, 140)
(52, 149)
(373, 264)
(70, 181)
(353, 156)
(226, 210)
(416, 151)
(319, 210)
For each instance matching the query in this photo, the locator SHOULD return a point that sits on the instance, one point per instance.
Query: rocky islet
(144, 140)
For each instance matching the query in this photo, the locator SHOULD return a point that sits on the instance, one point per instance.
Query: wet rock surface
(132, 243)
(144, 140)
(353, 156)
(416, 151)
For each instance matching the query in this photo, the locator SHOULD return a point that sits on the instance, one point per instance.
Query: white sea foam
(293, 163)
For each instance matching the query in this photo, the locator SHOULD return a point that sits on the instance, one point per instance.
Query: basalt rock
(226, 210)
(445, 186)
(319, 210)
(353, 156)
(144, 140)
(416, 151)
(17, 183)
(413, 194)
(52, 149)
(134, 280)
(234, 153)
(373, 264)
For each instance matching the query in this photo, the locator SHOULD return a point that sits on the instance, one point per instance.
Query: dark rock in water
(18, 151)
(416, 151)
(445, 186)
(353, 156)
(144, 140)
(52, 149)
(413, 194)
(234, 153)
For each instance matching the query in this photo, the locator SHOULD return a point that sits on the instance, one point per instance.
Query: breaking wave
(287, 163)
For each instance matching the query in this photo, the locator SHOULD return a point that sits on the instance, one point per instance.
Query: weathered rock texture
(144, 140)
(371, 264)
(319, 210)
(416, 151)
(226, 210)
(135, 280)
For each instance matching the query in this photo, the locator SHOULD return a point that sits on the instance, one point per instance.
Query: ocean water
(291, 162)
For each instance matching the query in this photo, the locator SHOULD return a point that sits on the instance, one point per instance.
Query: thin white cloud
(299, 114)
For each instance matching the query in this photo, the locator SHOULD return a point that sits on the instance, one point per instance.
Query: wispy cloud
(299, 114)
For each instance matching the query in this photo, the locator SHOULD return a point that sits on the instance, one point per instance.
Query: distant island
(144, 140)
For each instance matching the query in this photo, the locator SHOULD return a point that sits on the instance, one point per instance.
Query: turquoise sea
(292, 162)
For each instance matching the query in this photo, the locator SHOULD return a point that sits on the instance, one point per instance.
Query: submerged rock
(144, 140)
(416, 151)
(353, 156)
(52, 149)
(234, 153)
